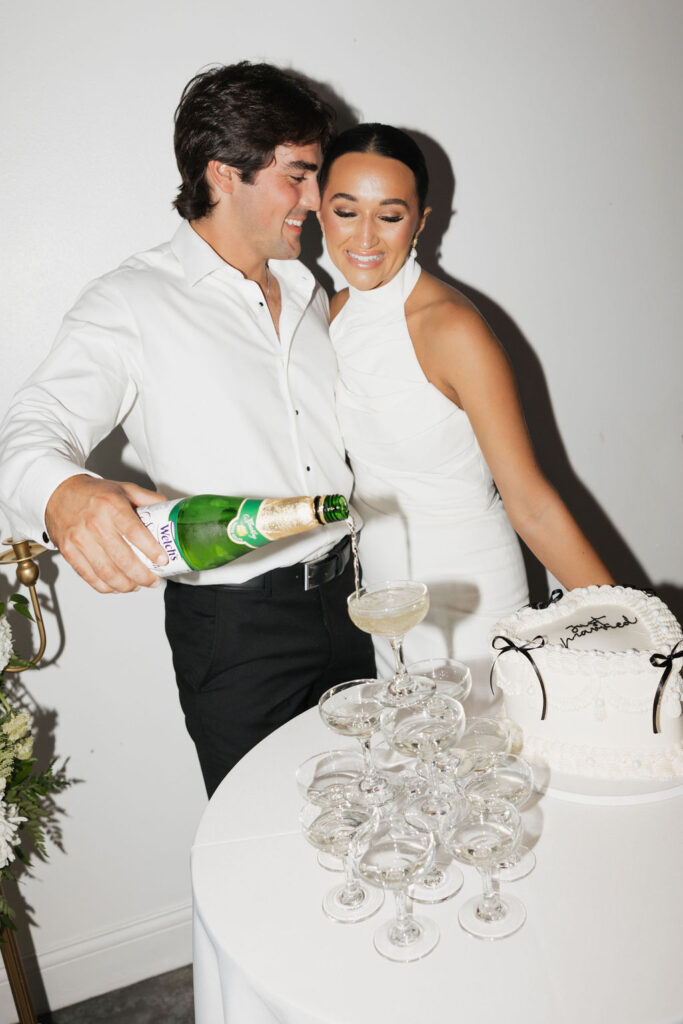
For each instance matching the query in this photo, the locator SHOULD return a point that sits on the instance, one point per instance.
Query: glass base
(407, 692)
(453, 678)
(511, 921)
(442, 881)
(523, 865)
(455, 764)
(367, 903)
(374, 790)
(429, 810)
(422, 937)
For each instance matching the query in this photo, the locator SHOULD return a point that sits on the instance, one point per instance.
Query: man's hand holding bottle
(87, 518)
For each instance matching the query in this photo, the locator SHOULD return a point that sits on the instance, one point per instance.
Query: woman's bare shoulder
(438, 308)
(337, 302)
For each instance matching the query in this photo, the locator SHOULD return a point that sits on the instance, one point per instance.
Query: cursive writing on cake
(594, 625)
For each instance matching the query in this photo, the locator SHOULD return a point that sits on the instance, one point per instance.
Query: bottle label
(242, 529)
(157, 519)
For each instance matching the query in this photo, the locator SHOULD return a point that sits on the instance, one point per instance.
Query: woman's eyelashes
(388, 218)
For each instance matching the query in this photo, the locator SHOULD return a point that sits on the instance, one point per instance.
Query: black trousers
(248, 659)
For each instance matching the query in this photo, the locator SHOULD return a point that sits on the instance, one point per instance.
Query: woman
(430, 414)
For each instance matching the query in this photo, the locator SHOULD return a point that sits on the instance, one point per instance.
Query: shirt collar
(196, 256)
(198, 259)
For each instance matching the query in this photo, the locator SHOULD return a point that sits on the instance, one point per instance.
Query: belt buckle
(307, 584)
(331, 559)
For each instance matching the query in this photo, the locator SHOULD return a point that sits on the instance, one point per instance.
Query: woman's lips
(364, 260)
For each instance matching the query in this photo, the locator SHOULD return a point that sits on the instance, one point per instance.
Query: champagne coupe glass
(329, 779)
(396, 856)
(484, 737)
(423, 731)
(390, 609)
(333, 830)
(510, 778)
(353, 709)
(488, 834)
(444, 879)
(453, 678)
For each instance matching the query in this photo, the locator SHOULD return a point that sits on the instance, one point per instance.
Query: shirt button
(296, 411)
(46, 539)
(261, 305)
(308, 469)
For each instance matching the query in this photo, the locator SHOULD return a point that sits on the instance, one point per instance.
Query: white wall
(561, 124)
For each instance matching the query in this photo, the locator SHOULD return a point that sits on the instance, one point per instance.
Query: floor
(166, 998)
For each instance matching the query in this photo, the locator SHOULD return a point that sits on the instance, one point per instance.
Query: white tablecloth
(601, 944)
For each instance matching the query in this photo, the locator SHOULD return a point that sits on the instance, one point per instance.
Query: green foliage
(26, 791)
(20, 605)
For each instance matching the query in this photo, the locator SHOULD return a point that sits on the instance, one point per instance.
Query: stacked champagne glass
(436, 789)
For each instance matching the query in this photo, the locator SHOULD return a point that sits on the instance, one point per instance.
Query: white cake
(592, 650)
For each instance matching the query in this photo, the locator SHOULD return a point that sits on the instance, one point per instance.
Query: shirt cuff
(39, 483)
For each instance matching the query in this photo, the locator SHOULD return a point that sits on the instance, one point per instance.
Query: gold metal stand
(22, 554)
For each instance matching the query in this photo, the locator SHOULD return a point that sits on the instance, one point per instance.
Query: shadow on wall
(538, 411)
(547, 441)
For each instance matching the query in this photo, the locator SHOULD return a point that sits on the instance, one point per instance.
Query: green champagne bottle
(209, 530)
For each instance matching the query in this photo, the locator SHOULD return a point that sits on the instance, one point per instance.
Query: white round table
(601, 944)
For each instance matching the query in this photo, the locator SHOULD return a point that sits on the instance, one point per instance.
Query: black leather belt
(327, 567)
(309, 574)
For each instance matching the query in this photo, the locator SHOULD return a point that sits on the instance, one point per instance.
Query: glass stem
(401, 671)
(491, 907)
(401, 924)
(367, 754)
(432, 776)
(352, 887)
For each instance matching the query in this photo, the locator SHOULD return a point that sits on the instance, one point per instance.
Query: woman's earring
(413, 248)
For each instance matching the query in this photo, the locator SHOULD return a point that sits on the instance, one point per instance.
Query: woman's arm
(461, 357)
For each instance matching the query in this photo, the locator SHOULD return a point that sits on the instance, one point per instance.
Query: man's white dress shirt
(180, 349)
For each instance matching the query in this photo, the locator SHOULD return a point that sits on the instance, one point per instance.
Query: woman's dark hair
(384, 140)
(238, 114)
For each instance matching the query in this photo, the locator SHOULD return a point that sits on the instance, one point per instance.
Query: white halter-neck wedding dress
(430, 508)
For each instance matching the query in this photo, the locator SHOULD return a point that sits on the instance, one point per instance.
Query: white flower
(9, 832)
(16, 726)
(5, 642)
(24, 749)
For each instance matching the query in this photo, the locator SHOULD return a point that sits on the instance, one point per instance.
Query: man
(212, 352)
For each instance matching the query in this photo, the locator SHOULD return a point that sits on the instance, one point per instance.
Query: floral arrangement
(26, 805)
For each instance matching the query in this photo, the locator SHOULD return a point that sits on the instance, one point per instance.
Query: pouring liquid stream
(350, 522)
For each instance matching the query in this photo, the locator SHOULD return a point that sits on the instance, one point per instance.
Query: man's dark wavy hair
(238, 114)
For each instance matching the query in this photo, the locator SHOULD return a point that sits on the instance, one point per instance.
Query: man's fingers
(111, 569)
(132, 527)
(120, 568)
(133, 530)
(81, 565)
(140, 495)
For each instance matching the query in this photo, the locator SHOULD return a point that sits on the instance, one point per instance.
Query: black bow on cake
(503, 644)
(665, 661)
(555, 596)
